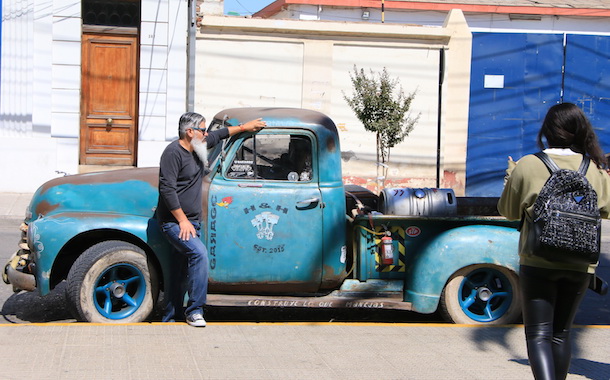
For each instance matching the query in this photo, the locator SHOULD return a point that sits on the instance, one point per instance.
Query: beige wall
(290, 63)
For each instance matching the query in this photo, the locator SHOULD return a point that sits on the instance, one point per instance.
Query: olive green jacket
(524, 180)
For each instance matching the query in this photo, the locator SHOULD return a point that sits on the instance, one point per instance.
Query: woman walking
(552, 291)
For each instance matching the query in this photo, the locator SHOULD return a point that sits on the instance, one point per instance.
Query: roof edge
(276, 7)
(431, 34)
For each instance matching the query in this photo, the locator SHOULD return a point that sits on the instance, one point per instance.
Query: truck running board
(351, 295)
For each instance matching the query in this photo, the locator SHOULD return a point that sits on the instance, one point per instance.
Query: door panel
(109, 99)
(265, 218)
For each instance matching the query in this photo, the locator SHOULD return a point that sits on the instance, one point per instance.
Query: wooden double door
(109, 98)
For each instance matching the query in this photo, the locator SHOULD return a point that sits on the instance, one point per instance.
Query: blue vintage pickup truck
(282, 230)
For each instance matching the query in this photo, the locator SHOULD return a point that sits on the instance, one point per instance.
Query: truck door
(265, 216)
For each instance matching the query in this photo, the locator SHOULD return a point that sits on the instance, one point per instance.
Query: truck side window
(273, 157)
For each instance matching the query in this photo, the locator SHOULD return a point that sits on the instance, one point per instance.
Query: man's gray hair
(189, 120)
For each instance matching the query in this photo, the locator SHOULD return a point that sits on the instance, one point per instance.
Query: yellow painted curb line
(402, 324)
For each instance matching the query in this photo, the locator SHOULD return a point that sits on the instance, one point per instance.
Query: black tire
(112, 282)
(482, 294)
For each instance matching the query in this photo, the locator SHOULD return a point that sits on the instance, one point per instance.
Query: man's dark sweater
(180, 178)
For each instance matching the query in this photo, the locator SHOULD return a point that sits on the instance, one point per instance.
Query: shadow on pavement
(483, 337)
(24, 307)
(590, 369)
(587, 368)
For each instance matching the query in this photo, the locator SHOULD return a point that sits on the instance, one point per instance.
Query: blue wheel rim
(119, 291)
(485, 294)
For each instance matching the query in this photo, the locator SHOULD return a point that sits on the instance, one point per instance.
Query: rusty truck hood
(126, 191)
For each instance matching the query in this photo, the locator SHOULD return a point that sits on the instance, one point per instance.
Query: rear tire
(482, 294)
(112, 282)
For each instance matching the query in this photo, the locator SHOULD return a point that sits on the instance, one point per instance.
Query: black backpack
(566, 224)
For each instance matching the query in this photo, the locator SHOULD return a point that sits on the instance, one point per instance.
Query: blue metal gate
(515, 78)
(587, 81)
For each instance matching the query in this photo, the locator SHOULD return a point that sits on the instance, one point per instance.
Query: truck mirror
(222, 155)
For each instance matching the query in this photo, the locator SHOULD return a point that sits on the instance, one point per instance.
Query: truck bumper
(14, 273)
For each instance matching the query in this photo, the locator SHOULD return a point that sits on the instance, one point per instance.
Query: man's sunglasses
(199, 129)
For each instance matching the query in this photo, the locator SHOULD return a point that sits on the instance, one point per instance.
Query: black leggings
(550, 300)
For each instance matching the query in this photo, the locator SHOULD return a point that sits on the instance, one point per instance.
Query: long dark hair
(566, 126)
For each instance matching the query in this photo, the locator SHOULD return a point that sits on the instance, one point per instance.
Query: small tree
(381, 109)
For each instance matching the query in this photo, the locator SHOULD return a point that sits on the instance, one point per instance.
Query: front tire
(482, 294)
(111, 282)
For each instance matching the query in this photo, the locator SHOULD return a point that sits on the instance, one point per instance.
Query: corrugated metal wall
(16, 69)
(515, 78)
(587, 80)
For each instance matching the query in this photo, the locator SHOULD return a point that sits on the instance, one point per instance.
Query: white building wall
(27, 154)
(289, 63)
(247, 72)
(417, 69)
(40, 87)
(154, 57)
(63, 46)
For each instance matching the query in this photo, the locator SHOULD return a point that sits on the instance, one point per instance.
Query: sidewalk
(284, 351)
(13, 205)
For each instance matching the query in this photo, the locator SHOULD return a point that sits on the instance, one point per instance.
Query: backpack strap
(552, 166)
(584, 165)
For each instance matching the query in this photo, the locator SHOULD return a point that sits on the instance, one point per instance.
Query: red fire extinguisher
(387, 249)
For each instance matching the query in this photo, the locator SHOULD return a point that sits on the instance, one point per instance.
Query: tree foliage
(382, 107)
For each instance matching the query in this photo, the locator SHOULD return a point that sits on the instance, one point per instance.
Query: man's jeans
(189, 261)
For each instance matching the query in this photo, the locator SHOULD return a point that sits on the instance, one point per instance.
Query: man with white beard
(183, 165)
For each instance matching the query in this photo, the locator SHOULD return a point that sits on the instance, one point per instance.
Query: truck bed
(466, 206)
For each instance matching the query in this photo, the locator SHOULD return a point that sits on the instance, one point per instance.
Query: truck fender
(453, 250)
(68, 235)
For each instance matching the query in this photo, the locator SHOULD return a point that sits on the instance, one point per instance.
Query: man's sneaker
(196, 320)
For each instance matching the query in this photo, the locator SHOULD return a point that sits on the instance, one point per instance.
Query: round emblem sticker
(412, 231)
